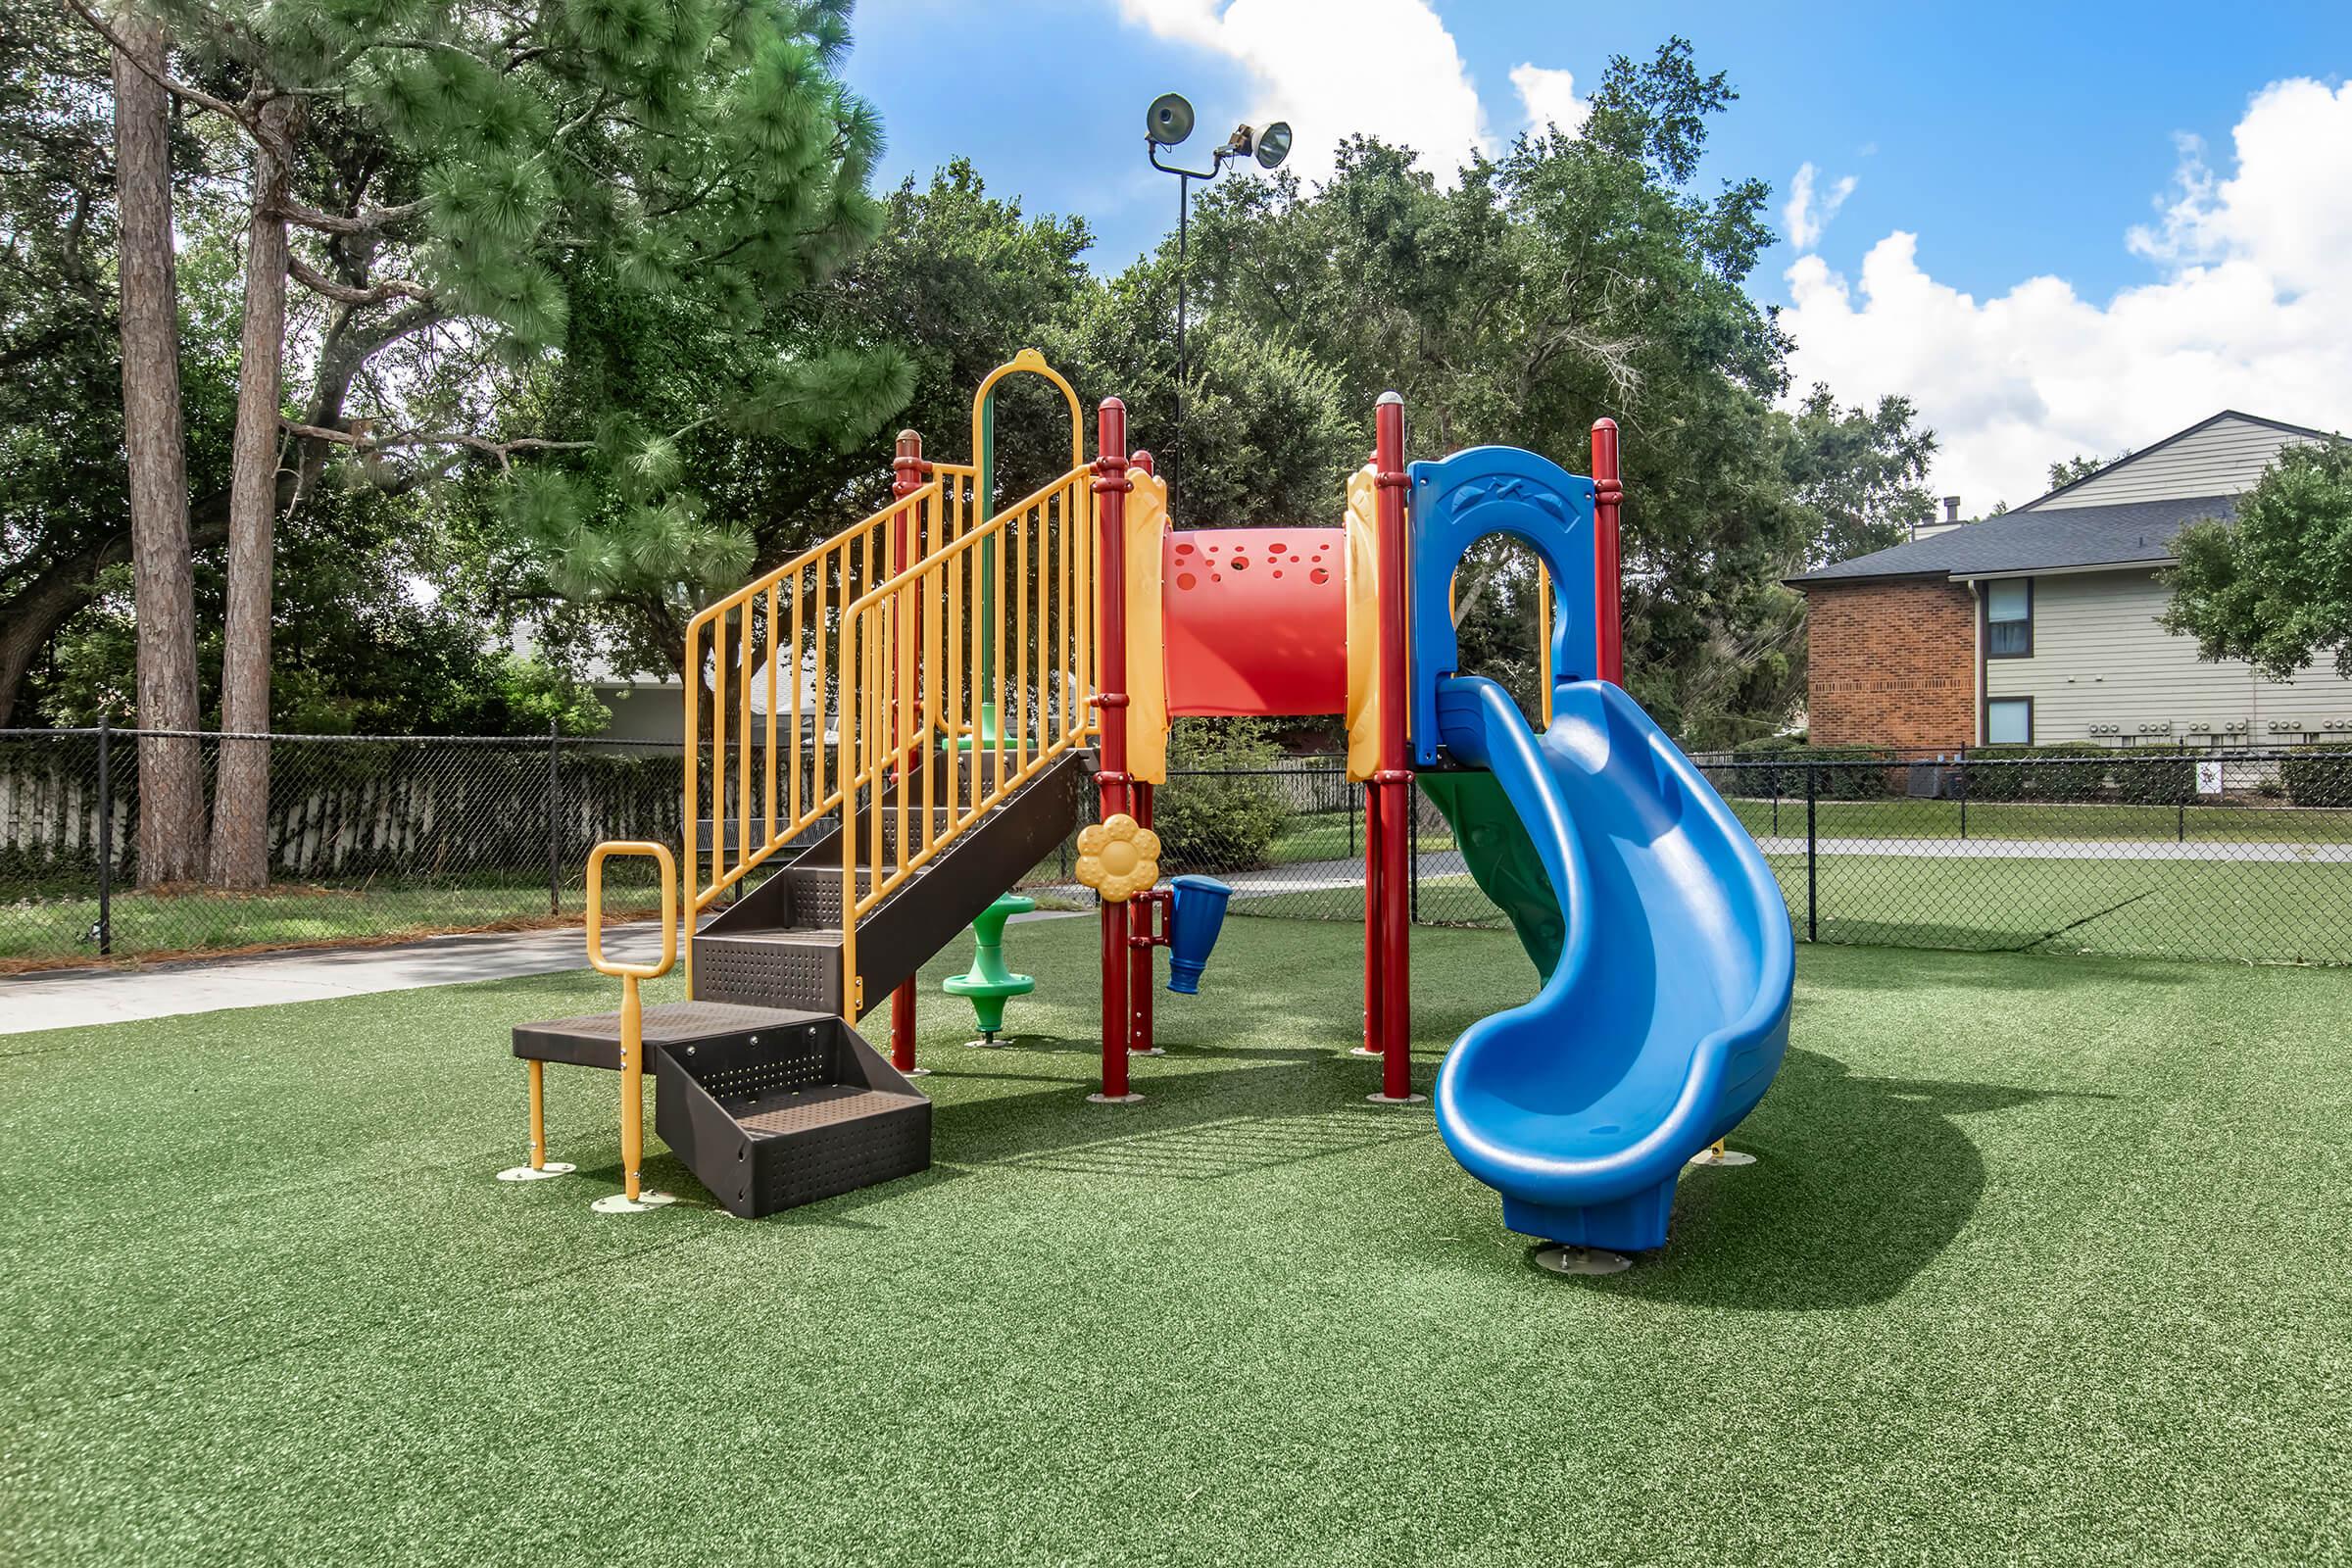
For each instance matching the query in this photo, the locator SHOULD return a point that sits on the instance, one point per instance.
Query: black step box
(790, 1114)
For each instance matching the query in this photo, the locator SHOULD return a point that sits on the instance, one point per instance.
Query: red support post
(1608, 572)
(1372, 901)
(1395, 779)
(1110, 487)
(1142, 965)
(906, 477)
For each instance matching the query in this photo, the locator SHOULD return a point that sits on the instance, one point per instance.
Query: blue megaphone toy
(1192, 922)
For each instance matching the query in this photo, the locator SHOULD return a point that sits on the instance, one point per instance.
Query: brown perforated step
(809, 1112)
(594, 1040)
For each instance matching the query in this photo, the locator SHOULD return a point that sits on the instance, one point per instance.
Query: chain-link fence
(2242, 855)
(368, 836)
(2208, 854)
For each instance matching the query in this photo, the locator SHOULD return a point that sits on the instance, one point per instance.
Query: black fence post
(1354, 796)
(1964, 792)
(2180, 800)
(555, 872)
(1412, 806)
(106, 839)
(1776, 802)
(1812, 902)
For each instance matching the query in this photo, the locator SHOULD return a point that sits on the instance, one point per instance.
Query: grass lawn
(1325, 836)
(2044, 1261)
(284, 916)
(1904, 819)
(2243, 911)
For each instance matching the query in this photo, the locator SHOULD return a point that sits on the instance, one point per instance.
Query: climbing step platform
(770, 1107)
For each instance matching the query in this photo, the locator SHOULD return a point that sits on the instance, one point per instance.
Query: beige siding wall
(2099, 659)
(2223, 459)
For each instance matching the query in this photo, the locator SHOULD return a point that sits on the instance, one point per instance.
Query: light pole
(1169, 121)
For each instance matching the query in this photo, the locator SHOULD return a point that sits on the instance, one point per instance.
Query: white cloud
(2252, 309)
(1331, 68)
(1808, 211)
(1550, 98)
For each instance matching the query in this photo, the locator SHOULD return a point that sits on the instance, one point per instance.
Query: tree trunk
(241, 800)
(170, 771)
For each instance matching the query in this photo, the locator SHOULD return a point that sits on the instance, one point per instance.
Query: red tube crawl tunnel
(1256, 620)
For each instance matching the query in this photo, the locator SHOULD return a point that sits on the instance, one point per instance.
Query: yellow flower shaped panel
(1119, 858)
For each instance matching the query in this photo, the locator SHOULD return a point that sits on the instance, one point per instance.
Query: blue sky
(2015, 142)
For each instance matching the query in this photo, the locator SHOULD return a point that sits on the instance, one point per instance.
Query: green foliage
(1574, 276)
(2075, 772)
(2067, 470)
(2318, 775)
(2275, 587)
(1226, 821)
(1788, 781)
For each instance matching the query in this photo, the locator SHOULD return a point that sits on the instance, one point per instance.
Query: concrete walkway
(73, 998)
(70, 999)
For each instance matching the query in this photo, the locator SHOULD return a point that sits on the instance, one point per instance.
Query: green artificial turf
(2044, 1261)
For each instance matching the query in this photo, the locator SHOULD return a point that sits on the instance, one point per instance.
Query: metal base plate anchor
(1582, 1260)
(1396, 1099)
(1727, 1156)
(525, 1173)
(618, 1203)
(1099, 1099)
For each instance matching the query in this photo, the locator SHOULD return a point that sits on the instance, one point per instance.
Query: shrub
(2318, 775)
(2073, 770)
(1837, 779)
(1214, 813)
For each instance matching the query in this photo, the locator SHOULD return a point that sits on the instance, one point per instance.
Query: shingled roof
(2132, 534)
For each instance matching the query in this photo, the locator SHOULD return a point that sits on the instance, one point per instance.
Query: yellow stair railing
(914, 651)
(838, 670)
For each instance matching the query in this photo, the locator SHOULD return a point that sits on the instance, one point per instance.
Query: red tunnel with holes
(1256, 620)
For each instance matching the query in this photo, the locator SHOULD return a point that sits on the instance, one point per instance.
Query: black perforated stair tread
(594, 1038)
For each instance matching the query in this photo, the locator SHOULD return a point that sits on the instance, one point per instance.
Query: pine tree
(444, 183)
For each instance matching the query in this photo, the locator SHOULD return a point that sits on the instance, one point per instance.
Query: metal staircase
(898, 729)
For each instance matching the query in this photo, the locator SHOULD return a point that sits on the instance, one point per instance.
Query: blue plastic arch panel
(1459, 501)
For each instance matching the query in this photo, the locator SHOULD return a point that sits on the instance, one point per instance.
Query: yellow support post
(632, 1199)
(540, 1167)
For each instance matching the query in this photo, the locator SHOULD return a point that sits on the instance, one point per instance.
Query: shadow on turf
(1859, 1184)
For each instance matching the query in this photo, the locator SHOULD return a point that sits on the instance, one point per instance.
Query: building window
(2009, 721)
(2009, 618)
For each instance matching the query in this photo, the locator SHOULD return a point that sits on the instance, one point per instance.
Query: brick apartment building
(2039, 626)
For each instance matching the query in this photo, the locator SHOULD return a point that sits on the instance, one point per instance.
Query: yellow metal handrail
(911, 653)
(632, 1009)
(771, 643)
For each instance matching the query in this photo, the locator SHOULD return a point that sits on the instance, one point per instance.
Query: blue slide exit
(1667, 1015)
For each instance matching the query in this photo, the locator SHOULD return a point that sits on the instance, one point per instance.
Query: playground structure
(903, 720)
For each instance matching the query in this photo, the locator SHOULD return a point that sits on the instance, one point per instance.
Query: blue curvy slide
(1666, 1014)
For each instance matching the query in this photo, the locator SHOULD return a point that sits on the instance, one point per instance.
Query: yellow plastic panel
(1146, 640)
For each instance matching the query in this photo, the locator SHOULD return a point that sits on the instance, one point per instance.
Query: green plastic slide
(1502, 860)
